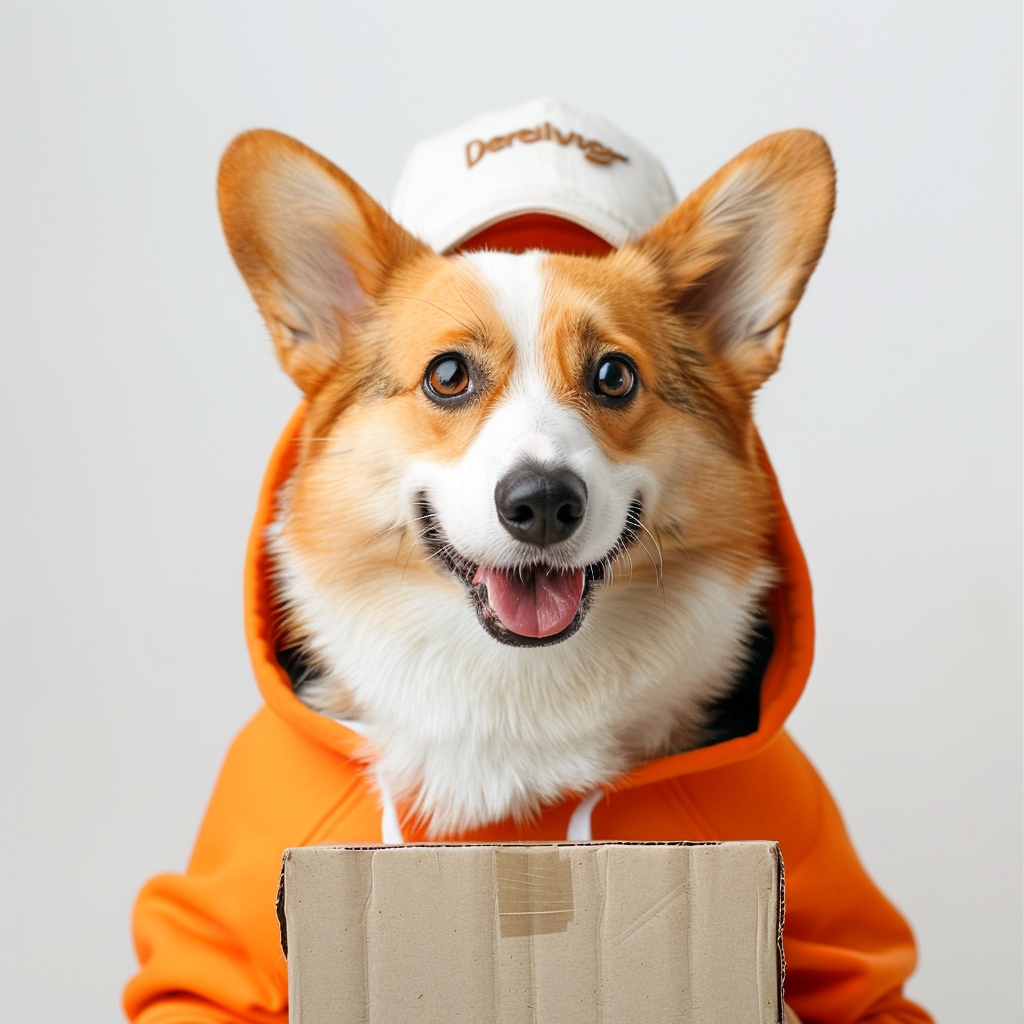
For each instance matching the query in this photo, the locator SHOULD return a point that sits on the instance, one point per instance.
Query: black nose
(540, 506)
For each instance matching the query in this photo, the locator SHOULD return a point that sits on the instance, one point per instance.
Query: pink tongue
(542, 606)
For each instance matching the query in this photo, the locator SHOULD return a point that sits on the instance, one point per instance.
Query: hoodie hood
(789, 610)
(789, 606)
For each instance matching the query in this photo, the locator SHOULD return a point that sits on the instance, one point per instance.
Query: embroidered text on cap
(594, 151)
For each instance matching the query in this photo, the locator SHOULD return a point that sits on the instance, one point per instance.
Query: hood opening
(746, 720)
(738, 712)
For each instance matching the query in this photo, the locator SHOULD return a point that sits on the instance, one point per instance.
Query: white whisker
(659, 566)
(398, 526)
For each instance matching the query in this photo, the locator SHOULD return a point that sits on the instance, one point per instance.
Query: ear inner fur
(315, 250)
(736, 255)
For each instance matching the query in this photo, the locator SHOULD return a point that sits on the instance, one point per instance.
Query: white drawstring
(390, 829)
(580, 830)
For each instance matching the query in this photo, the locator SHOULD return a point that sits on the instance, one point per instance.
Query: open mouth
(529, 605)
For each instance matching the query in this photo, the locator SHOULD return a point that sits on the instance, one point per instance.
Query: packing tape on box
(534, 890)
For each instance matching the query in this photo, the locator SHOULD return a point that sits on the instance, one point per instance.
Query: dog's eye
(615, 379)
(447, 378)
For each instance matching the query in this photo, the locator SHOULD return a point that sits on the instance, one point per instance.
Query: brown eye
(447, 378)
(615, 379)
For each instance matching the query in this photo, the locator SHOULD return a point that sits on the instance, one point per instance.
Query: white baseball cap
(540, 157)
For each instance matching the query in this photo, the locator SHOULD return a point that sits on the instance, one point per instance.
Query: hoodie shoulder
(207, 939)
(283, 787)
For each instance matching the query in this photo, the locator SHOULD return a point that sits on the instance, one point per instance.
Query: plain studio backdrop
(140, 400)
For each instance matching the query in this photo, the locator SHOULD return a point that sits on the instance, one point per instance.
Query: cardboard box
(565, 933)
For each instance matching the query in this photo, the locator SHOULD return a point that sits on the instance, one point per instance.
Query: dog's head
(521, 436)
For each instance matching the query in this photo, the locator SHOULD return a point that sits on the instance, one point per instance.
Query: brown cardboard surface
(570, 933)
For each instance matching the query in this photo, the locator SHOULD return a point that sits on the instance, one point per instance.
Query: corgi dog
(525, 544)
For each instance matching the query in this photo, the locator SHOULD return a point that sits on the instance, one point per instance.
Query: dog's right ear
(313, 247)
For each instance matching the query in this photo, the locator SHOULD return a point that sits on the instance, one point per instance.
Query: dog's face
(530, 418)
(500, 448)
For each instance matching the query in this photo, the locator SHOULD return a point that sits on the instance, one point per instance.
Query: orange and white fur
(496, 664)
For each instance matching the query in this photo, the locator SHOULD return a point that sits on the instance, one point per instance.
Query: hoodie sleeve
(207, 940)
(848, 950)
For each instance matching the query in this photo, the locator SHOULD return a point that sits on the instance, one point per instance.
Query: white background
(140, 400)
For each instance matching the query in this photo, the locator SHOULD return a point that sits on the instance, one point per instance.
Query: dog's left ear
(738, 252)
(313, 247)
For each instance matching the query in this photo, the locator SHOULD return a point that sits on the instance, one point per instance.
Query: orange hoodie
(208, 940)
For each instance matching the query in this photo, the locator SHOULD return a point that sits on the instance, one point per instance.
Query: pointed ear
(738, 252)
(313, 247)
